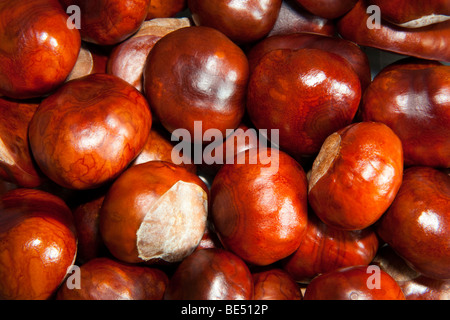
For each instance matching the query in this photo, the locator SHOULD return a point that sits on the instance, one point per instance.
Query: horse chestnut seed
(89, 131)
(354, 283)
(108, 279)
(38, 244)
(154, 211)
(356, 175)
(417, 224)
(259, 207)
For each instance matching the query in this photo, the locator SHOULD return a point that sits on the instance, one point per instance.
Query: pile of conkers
(192, 149)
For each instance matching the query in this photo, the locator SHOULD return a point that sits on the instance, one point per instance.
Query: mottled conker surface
(356, 175)
(417, 225)
(165, 8)
(154, 212)
(259, 205)
(16, 163)
(306, 94)
(244, 21)
(414, 101)
(38, 244)
(275, 284)
(108, 22)
(37, 50)
(109, 279)
(89, 131)
(196, 74)
(87, 218)
(324, 249)
(211, 274)
(354, 283)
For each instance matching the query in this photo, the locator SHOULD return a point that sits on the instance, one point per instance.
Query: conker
(109, 279)
(293, 18)
(417, 224)
(127, 59)
(37, 49)
(259, 205)
(89, 131)
(108, 22)
(354, 283)
(428, 42)
(38, 244)
(356, 175)
(196, 74)
(306, 94)
(87, 219)
(329, 9)
(16, 162)
(211, 274)
(165, 8)
(154, 212)
(246, 22)
(413, 99)
(275, 284)
(413, 14)
(324, 249)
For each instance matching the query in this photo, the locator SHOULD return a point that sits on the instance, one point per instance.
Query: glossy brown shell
(108, 22)
(293, 18)
(417, 225)
(16, 162)
(363, 178)
(165, 8)
(430, 42)
(211, 274)
(352, 284)
(37, 50)
(259, 210)
(89, 131)
(196, 74)
(300, 40)
(129, 199)
(402, 11)
(109, 279)
(275, 284)
(38, 244)
(245, 22)
(330, 9)
(306, 94)
(87, 219)
(413, 100)
(324, 249)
